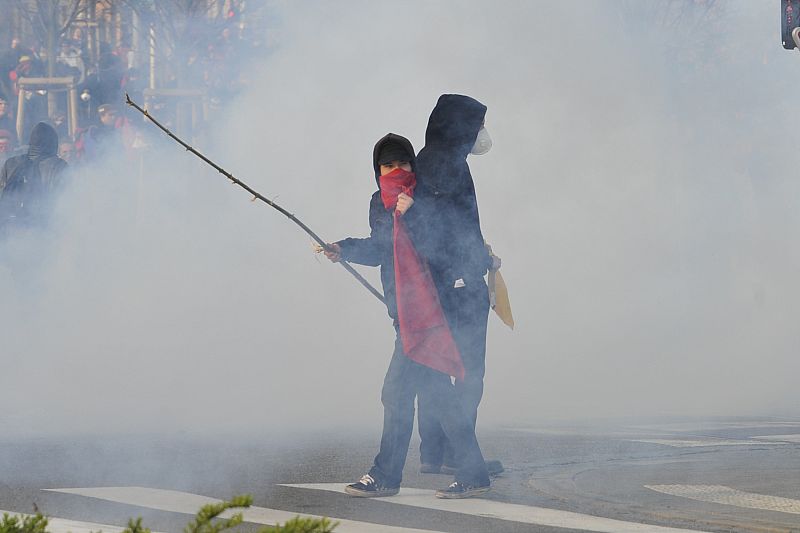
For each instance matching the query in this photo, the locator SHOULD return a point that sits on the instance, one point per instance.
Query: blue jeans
(404, 380)
(467, 312)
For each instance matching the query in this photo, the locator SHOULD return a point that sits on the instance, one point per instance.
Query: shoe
(494, 467)
(458, 490)
(426, 468)
(367, 487)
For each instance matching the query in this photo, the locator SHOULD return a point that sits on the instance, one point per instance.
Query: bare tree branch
(256, 196)
(76, 11)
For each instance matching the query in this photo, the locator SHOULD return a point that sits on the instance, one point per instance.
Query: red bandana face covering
(395, 182)
(424, 331)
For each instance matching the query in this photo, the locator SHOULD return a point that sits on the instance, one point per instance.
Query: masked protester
(28, 181)
(454, 248)
(425, 355)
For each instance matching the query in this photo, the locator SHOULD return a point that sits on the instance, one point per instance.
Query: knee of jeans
(396, 398)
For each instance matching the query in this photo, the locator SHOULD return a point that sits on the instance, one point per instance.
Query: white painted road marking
(187, 503)
(706, 425)
(697, 443)
(62, 525)
(539, 516)
(729, 496)
(795, 438)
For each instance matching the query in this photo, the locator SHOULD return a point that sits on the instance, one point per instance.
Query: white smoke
(640, 197)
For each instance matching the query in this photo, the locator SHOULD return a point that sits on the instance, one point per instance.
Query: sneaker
(367, 487)
(494, 467)
(426, 468)
(458, 490)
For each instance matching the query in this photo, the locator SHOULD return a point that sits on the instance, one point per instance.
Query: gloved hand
(496, 263)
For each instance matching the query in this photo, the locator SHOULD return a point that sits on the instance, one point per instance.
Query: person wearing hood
(28, 181)
(458, 257)
(425, 355)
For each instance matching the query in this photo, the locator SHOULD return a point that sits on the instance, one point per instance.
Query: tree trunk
(52, 45)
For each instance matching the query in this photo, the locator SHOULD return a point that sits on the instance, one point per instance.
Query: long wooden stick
(256, 195)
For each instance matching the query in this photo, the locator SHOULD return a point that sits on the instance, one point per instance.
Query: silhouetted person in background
(104, 83)
(102, 138)
(28, 181)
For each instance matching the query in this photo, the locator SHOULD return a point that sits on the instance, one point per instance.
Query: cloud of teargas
(639, 192)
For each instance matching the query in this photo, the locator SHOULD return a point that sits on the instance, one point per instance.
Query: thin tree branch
(256, 195)
(77, 10)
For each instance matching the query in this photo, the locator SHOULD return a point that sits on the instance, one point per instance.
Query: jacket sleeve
(475, 257)
(370, 251)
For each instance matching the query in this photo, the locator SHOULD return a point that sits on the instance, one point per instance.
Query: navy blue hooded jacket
(378, 249)
(452, 241)
(29, 180)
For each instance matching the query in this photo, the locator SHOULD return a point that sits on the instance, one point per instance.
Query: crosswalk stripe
(794, 438)
(698, 443)
(728, 496)
(62, 525)
(187, 503)
(540, 516)
(707, 425)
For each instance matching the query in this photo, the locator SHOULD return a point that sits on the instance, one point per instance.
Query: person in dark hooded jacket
(28, 181)
(412, 371)
(458, 257)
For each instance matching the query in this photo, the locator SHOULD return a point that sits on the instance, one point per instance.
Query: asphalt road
(699, 475)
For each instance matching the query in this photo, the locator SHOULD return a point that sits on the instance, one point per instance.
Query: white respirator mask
(483, 143)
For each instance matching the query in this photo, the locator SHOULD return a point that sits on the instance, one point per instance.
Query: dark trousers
(467, 312)
(404, 380)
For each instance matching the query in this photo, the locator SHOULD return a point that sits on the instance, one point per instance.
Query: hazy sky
(641, 192)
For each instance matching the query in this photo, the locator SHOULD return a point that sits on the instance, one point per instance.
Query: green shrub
(25, 524)
(204, 521)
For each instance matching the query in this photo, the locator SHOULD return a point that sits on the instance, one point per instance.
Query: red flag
(424, 331)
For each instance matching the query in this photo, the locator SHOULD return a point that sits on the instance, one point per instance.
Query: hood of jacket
(43, 142)
(392, 138)
(452, 128)
(454, 123)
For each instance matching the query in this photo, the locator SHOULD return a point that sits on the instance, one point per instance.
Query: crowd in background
(105, 126)
(215, 69)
